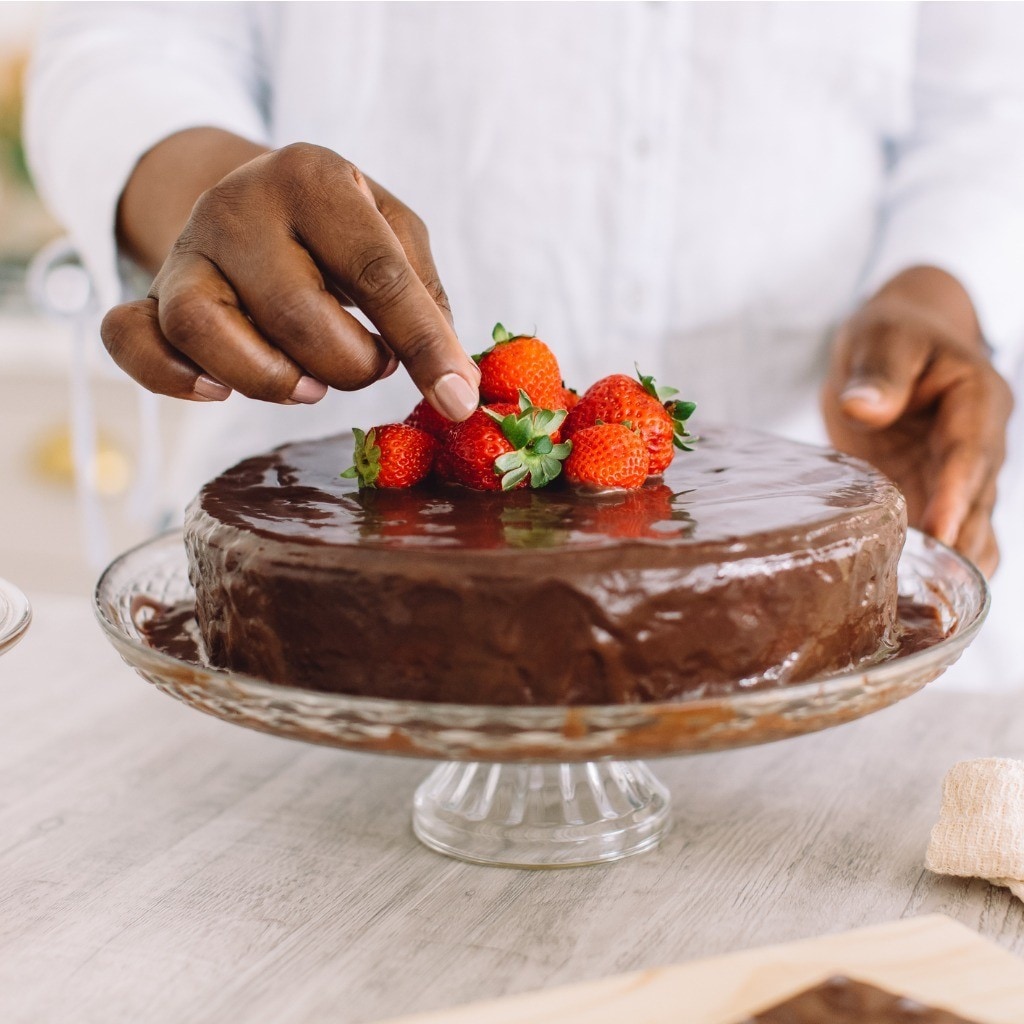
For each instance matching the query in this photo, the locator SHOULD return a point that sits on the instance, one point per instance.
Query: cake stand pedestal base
(541, 815)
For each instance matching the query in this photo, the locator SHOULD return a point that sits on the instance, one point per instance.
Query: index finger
(412, 235)
(354, 244)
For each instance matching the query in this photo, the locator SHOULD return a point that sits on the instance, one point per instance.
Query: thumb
(882, 368)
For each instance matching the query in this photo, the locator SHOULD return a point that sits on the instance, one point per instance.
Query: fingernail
(210, 390)
(866, 393)
(308, 391)
(393, 364)
(456, 396)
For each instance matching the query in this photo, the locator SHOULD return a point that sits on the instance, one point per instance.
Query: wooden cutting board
(931, 959)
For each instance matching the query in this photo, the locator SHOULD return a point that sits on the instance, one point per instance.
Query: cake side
(652, 616)
(576, 634)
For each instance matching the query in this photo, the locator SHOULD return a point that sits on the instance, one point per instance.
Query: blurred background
(46, 536)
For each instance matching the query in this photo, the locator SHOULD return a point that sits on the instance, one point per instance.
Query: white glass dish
(533, 786)
(15, 615)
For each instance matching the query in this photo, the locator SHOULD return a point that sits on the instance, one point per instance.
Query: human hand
(251, 295)
(911, 390)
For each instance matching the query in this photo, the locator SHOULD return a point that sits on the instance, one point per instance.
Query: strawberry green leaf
(500, 335)
(514, 478)
(535, 453)
(661, 394)
(546, 421)
(546, 470)
(680, 413)
(508, 462)
(520, 434)
(515, 428)
(366, 459)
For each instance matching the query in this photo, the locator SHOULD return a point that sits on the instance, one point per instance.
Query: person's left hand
(911, 390)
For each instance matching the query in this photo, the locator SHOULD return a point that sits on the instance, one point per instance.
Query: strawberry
(607, 455)
(504, 409)
(570, 399)
(639, 403)
(471, 449)
(394, 455)
(517, 363)
(499, 446)
(443, 467)
(457, 457)
(427, 418)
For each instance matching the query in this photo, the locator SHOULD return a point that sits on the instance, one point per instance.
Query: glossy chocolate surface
(732, 487)
(755, 562)
(842, 1001)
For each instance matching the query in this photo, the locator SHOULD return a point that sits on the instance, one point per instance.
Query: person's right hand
(251, 296)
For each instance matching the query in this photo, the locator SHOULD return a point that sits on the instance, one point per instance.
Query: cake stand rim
(545, 715)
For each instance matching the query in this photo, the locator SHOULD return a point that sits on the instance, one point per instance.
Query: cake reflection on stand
(535, 786)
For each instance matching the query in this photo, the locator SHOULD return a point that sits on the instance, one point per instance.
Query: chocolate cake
(843, 1001)
(754, 562)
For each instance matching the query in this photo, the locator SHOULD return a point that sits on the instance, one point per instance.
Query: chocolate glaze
(756, 561)
(173, 629)
(920, 626)
(842, 1001)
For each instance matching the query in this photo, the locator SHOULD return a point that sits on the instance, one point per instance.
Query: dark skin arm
(256, 254)
(911, 389)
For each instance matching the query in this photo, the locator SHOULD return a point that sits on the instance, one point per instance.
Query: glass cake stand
(15, 615)
(529, 786)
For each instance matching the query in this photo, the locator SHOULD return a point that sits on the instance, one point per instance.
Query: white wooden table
(160, 866)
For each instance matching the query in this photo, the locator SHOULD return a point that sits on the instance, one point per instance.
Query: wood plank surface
(931, 959)
(159, 865)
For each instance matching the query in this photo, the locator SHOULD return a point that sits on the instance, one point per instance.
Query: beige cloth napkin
(980, 831)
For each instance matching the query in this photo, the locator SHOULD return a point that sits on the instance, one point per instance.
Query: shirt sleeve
(110, 81)
(955, 192)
